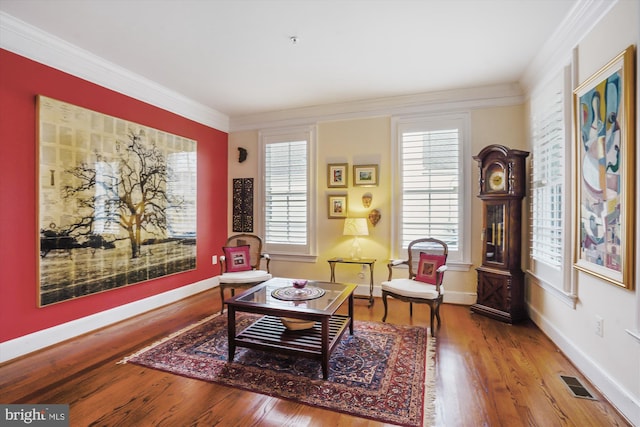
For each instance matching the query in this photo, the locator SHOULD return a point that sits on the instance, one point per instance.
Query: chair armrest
(223, 260)
(394, 263)
(440, 276)
(268, 258)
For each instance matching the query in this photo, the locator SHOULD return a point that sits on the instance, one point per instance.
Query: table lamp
(355, 227)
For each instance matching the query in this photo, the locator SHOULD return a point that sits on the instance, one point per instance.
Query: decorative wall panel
(117, 202)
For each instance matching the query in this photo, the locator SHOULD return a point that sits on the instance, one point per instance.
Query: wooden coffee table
(268, 333)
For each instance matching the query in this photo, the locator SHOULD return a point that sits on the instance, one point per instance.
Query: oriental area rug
(382, 372)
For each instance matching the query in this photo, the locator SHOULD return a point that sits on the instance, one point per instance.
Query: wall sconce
(355, 227)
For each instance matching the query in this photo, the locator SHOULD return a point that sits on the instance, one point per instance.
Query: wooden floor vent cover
(576, 387)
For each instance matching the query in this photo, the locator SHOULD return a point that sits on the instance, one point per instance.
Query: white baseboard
(615, 393)
(38, 340)
(461, 298)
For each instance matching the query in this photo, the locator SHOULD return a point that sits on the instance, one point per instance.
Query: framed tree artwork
(117, 202)
(604, 107)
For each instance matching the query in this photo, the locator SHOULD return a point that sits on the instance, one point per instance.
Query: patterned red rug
(382, 372)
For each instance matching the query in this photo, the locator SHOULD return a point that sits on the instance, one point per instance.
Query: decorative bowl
(296, 324)
(299, 284)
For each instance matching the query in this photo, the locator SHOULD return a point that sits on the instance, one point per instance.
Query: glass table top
(262, 295)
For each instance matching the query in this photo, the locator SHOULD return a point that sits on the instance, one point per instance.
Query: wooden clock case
(500, 278)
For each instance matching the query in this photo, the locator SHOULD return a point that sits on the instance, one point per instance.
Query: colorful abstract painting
(605, 164)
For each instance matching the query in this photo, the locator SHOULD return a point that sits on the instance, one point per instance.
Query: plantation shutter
(547, 177)
(286, 193)
(430, 185)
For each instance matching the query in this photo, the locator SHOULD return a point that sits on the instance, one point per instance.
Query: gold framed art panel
(604, 123)
(117, 202)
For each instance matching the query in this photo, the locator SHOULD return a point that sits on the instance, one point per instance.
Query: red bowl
(299, 284)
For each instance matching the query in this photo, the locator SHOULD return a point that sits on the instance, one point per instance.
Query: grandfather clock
(500, 278)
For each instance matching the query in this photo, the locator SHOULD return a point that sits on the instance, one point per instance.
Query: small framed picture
(337, 206)
(337, 175)
(365, 175)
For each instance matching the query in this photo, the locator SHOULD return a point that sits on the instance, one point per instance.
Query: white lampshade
(355, 227)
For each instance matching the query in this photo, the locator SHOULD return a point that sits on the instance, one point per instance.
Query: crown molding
(556, 53)
(26, 40)
(441, 101)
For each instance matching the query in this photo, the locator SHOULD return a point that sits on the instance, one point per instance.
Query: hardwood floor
(488, 374)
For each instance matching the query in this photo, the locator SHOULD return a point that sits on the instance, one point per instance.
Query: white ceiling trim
(26, 40)
(557, 51)
(443, 101)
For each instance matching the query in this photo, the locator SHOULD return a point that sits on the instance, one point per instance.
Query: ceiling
(237, 57)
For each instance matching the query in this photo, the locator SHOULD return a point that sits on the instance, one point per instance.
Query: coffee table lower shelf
(269, 334)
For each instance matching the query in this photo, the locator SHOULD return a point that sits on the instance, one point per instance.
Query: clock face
(496, 179)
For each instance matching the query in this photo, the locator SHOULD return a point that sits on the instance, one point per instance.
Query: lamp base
(356, 250)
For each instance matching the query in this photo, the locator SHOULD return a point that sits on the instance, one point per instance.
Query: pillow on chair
(428, 266)
(237, 258)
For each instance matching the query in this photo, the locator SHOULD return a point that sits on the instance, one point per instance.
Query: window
(550, 167)
(431, 184)
(288, 195)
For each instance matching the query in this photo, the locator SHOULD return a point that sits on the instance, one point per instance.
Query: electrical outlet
(214, 259)
(362, 271)
(599, 326)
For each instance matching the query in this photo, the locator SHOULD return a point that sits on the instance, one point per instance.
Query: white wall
(611, 362)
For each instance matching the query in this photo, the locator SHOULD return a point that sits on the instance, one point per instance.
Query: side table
(362, 261)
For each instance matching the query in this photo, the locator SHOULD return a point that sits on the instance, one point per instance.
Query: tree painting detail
(117, 202)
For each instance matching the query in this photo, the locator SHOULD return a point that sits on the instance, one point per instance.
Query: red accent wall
(21, 79)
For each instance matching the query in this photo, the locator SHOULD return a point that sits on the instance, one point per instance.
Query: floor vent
(576, 387)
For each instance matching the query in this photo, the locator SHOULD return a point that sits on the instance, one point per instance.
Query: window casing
(288, 191)
(550, 255)
(431, 184)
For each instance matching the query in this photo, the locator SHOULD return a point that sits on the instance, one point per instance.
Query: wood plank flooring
(488, 374)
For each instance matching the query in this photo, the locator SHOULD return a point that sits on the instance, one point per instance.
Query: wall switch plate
(599, 326)
(363, 269)
(214, 259)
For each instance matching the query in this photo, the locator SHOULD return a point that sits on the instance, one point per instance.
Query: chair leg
(384, 302)
(438, 303)
(221, 299)
(432, 312)
(410, 309)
